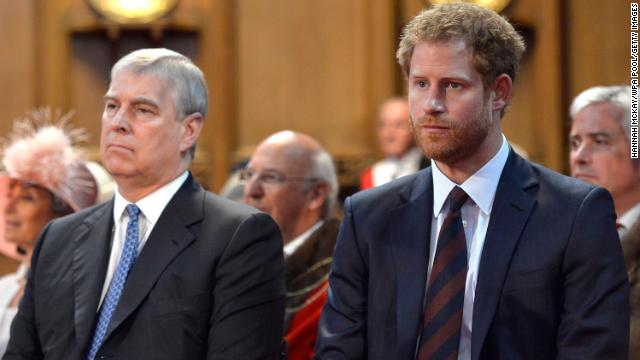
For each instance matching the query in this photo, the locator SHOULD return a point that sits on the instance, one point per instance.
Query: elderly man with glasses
(292, 178)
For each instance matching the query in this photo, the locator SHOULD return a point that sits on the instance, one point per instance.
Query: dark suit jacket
(631, 250)
(551, 282)
(207, 284)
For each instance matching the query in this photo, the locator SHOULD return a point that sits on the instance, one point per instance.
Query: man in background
(165, 270)
(402, 156)
(601, 154)
(292, 178)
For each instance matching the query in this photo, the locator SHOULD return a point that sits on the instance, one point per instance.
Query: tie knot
(458, 197)
(133, 210)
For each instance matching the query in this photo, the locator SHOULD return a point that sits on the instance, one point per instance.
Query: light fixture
(495, 5)
(133, 11)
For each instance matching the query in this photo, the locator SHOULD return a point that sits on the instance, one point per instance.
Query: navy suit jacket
(551, 282)
(208, 284)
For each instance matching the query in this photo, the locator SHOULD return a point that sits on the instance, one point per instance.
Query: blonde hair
(497, 47)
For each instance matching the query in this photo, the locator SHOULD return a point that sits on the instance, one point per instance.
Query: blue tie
(127, 259)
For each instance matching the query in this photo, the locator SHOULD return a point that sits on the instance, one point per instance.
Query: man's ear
(319, 194)
(502, 88)
(191, 128)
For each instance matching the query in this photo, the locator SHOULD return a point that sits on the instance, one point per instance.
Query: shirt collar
(294, 244)
(628, 218)
(22, 271)
(481, 186)
(153, 204)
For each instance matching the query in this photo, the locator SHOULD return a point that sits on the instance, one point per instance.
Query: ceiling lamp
(133, 11)
(495, 5)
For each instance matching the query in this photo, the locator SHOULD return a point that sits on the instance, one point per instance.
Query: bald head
(297, 149)
(293, 180)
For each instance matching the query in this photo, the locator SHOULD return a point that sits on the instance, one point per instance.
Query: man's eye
(26, 197)
(421, 84)
(246, 175)
(574, 143)
(269, 178)
(454, 85)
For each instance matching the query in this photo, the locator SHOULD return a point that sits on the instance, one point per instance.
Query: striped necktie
(442, 317)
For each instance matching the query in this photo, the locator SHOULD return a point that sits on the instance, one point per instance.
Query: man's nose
(119, 121)
(253, 187)
(433, 103)
(581, 154)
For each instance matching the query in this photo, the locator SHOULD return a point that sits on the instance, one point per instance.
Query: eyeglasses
(271, 177)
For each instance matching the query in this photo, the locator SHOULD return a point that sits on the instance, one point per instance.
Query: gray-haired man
(166, 270)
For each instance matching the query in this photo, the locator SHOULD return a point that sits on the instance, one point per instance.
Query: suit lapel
(91, 250)
(409, 237)
(511, 210)
(168, 238)
(298, 262)
(317, 247)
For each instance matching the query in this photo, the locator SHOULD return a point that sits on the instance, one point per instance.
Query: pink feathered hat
(42, 152)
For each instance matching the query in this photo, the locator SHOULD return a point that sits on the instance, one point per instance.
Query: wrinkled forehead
(598, 118)
(132, 77)
(141, 87)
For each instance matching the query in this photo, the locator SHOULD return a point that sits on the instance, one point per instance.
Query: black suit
(551, 280)
(207, 284)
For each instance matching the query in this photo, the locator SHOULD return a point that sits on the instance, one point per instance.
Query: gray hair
(323, 169)
(619, 96)
(181, 75)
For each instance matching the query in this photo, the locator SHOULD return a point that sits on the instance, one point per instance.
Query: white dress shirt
(151, 207)
(476, 213)
(628, 219)
(294, 244)
(392, 168)
(10, 285)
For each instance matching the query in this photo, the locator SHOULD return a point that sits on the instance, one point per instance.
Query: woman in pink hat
(48, 178)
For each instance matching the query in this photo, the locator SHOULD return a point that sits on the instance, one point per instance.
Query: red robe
(303, 329)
